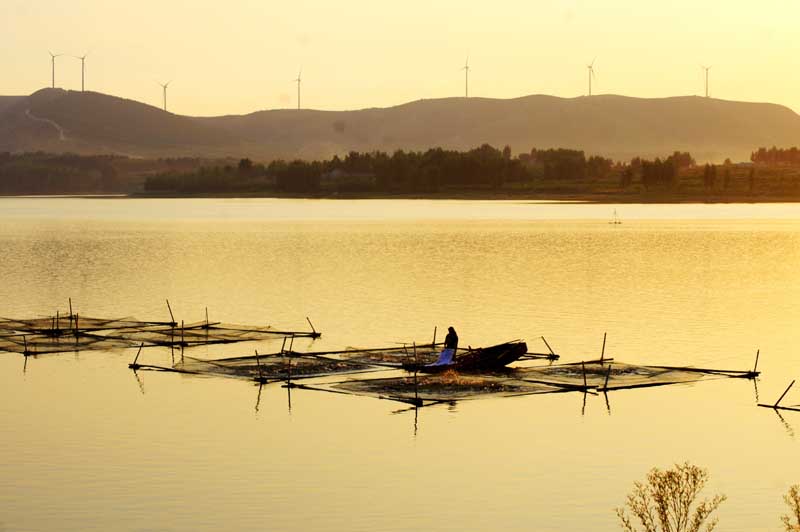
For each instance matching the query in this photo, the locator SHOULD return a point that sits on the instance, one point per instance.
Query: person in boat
(448, 354)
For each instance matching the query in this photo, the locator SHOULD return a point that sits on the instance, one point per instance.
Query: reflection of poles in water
(139, 381)
(258, 399)
(608, 405)
(416, 419)
(789, 429)
(25, 365)
(755, 387)
(583, 408)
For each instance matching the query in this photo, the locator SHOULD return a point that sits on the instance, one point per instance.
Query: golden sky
(240, 56)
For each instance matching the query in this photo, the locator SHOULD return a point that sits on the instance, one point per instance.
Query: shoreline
(597, 199)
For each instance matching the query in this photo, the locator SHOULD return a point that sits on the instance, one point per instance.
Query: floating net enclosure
(441, 387)
(449, 385)
(294, 365)
(64, 332)
(611, 375)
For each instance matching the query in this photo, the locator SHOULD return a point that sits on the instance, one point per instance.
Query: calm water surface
(89, 446)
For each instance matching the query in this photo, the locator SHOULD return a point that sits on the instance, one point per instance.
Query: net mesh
(67, 332)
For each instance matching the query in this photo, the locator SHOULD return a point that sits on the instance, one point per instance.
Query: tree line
(775, 156)
(433, 170)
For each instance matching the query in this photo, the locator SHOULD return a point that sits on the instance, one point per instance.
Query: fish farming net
(442, 387)
(71, 332)
(294, 365)
(617, 375)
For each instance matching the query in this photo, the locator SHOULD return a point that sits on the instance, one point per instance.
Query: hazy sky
(237, 56)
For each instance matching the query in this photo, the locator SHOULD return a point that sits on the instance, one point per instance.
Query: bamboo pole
(416, 379)
(755, 367)
(776, 405)
(134, 365)
(289, 371)
(170, 314)
(313, 330)
(603, 352)
(583, 369)
(608, 374)
(260, 373)
(548, 347)
(433, 345)
(784, 393)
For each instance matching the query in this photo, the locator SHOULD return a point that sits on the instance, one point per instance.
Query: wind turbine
(164, 86)
(299, 75)
(466, 78)
(53, 65)
(591, 74)
(83, 70)
(706, 68)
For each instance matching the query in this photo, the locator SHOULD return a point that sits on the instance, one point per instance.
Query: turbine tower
(591, 74)
(83, 70)
(53, 66)
(466, 78)
(299, 75)
(706, 68)
(164, 86)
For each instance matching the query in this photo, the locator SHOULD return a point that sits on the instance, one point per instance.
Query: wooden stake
(289, 371)
(182, 342)
(170, 313)
(313, 330)
(434, 337)
(283, 346)
(260, 374)
(206, 317)
(784, 394)
(548, 346)
(136, 359)
(603, 352)
(416, 369)
(291, 345)
(583, 368)
(755, 368)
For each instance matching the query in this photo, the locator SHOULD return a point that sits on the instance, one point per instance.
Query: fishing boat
(481, 359)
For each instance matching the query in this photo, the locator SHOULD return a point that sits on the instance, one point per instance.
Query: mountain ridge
(614, 126)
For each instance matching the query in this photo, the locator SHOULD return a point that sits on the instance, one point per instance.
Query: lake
(89, 445)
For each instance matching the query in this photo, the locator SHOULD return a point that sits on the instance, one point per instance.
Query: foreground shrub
(792, 521)
(666, 501)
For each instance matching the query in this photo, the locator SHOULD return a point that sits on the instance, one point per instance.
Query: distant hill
(613, 126)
